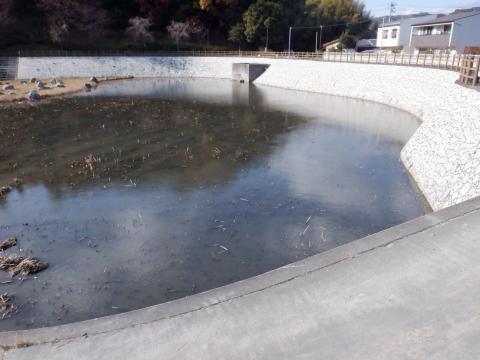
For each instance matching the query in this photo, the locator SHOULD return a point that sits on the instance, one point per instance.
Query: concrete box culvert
(246, 72)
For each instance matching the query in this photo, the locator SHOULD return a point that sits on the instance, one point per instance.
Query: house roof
(394, 23)
(367, 43)
(331, 42)
(449, 18)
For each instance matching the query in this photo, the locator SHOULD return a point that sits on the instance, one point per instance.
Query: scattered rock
(33, 80)
(33, 95)
(60, 84)
(87, 87)
(8, 87)
(94, 79)
(40, 85)
(7, 244)
(5, 190)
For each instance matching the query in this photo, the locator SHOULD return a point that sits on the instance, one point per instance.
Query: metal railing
(440, 61)
(443, 61)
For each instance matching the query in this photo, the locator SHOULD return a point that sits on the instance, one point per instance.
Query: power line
(320, 27)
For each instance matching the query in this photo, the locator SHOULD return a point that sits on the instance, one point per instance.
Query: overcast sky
(380, 7)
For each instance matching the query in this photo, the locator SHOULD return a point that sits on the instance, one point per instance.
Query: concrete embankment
(443, 156)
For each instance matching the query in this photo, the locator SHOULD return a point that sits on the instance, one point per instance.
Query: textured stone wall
(443, 156)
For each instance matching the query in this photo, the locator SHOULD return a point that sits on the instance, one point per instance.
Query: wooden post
(476, 70)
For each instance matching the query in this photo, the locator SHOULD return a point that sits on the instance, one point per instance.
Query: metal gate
(8, 68)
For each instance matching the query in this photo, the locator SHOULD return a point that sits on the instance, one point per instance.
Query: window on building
(447, 29)
(428, 30)
(385, 34)
(394, 33)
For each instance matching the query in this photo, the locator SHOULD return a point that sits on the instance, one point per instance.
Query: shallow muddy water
(146, 191)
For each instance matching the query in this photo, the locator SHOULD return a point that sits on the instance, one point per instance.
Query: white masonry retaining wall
(443, 156)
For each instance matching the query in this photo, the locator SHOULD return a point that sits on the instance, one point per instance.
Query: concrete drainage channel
(405, 293)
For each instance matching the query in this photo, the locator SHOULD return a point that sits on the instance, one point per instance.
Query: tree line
(177, 24)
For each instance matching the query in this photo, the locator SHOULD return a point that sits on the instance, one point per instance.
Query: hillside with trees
(179, 24)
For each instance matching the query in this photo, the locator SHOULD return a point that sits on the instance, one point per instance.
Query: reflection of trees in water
(77, 141)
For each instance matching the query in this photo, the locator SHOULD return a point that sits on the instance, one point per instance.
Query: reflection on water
(146, 191)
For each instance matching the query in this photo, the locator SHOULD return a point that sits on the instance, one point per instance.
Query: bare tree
(73, 17)
(139, 30)
(59, 33)
(178, 31)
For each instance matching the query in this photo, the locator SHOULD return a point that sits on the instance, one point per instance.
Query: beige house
(332, 45)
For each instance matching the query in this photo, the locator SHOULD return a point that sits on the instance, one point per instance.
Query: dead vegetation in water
(20, 265)
(8, 243)
(6, 306)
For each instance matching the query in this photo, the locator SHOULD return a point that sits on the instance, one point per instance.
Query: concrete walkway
(411, 292)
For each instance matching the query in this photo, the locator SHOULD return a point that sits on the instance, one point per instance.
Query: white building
(453, 32)
(396, 35)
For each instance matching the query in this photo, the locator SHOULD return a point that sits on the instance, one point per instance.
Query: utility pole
(392, 10)
(321, 34)
(289, 40)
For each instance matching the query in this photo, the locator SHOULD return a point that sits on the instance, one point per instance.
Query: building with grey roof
(453, 32)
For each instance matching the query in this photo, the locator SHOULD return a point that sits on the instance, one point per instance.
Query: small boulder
(8, 87)
(87, 87)
(33, 80)
(5, 190)
(40, 85)
(33, 95)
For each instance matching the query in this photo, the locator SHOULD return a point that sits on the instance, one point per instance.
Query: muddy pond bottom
(146, 191)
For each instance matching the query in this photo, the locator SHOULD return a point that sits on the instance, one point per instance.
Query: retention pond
(145, 191)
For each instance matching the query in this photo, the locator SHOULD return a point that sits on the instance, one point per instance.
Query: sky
(380, 7)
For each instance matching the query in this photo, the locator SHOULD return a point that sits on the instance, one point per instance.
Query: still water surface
(146, 191)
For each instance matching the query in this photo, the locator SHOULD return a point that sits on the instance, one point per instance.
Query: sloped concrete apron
(443, 156)
(410, 292)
